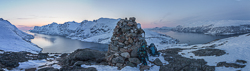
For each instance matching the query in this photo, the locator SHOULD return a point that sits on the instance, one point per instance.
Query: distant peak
(104, 18)
(84, 21)
(71, 22)
(53, 23)
(1, 19)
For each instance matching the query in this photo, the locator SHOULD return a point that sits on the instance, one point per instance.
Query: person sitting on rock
(153, 50)
(142, 53)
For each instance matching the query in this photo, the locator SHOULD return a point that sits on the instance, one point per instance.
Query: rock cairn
(127, 38)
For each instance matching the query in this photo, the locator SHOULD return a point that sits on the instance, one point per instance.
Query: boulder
(78, 63)
(125, 54)
(130, 64)
(134, 53)
(86, 55)
(115, 48)
(134, 60)
(158, 62)
(119, 64)
(118, 60)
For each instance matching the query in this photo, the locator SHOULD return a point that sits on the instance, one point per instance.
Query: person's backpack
(153, 50)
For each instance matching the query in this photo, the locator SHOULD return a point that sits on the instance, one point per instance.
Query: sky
(150, 13)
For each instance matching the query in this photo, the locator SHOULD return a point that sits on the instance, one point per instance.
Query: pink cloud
(24, 28)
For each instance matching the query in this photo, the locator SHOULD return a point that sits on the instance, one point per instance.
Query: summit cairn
(127, 38)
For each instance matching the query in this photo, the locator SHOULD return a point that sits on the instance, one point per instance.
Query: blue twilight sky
(150, 13)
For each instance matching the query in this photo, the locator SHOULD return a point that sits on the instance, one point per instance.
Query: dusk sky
(150, 13)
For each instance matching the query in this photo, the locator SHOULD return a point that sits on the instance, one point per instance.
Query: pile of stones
(127, 38)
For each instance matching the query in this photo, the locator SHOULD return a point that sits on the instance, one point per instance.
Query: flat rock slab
(85, 55)
(209, 52)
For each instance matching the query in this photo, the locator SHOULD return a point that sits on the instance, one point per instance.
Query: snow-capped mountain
(80, 31)
(161, 28)
(222, 27)
(98, 31)
(13, 39)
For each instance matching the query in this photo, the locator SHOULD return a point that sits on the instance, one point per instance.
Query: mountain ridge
(98, 31)
(13, 39)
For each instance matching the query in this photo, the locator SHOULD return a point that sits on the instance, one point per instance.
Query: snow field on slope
(15, 40)
(237, 48)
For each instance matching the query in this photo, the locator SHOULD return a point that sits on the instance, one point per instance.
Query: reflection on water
(190, 38)
(49, 39)
(58, 44)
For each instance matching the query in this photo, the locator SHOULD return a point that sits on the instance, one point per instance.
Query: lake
(60, 44)
(191, 38)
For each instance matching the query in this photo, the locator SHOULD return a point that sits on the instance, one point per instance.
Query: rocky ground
(73, 61)
(203, 57)
(179, 63)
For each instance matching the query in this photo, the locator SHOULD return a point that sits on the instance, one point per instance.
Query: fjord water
(191, 38)
(59, 44)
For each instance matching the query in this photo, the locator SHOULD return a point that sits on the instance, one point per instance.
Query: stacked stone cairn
(127, 38)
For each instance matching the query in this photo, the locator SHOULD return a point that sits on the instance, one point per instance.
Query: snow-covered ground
(219, 27)
(38, 64)
(98, 31)
(235, 47)
(12, 39)
(51, 62)
(128, 68)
